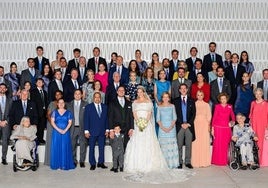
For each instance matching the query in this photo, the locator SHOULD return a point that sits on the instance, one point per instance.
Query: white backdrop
(126, 25)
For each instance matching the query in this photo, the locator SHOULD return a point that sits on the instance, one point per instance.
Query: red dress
(205, 88)
(222, 133)
(259, 120)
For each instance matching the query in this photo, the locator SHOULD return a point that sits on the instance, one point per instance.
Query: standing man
(82, 70)
(121, 69)
(175, 60)
(96, 129)
(39, 97)
(168, 68)
(77, 107)
(55, 85)
(5, 105)
(65, 76)
(112, 88)
(211, 57)
(185, 109)
(74, 63)
(120, 113)
(263, 84)
(190, 62)
(40, 60)
(93, 63)
(30, 74)
(71, 86)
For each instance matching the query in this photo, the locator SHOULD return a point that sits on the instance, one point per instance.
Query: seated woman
(25, 134)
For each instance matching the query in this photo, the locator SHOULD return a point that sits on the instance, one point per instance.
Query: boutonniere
(31, 108)
(129, 107)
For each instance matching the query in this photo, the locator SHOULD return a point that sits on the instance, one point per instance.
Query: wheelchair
(235, 159)
(24, 167)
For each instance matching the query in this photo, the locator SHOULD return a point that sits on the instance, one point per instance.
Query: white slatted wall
(124, 26)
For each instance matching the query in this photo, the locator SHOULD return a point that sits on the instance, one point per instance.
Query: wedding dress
(144, 161)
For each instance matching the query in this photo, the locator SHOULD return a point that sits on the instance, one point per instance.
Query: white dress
(144, 160)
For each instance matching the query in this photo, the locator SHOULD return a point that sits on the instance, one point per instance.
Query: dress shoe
(254, 167)
(121, 169)
(115, 170)
(4, 161)
(244, 167)
(112, 169)
(180, 166)
(93, 167)
(101, 165)
(42, 142)
(75, 163)
(189, 165)
(82, 165)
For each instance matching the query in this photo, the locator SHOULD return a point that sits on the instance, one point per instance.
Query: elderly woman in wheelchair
(25, 153)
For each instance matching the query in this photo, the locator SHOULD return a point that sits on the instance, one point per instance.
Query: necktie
(24, 107)
(63, 73)
(76, 62)
(96, 61)
(32, 71)
(221, 84)
(265, 90)
(82, 73)
(99, 110)
(3, 106)
(75, 84)
(40, 64)
(213, 57)
(42, 97)
(118, 70)
(167, 73)
(235, 71)
(183, 100)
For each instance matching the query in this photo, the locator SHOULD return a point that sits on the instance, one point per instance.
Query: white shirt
(59, 84)
(121, 101)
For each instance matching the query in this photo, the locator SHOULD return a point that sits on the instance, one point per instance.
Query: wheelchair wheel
(234, 166)
(14, 163)
(37, 160)
(231, 153)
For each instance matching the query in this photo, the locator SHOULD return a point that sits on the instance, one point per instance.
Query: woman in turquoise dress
(61, 147)
(166, 118)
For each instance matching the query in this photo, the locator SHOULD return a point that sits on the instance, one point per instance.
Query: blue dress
(61, 156)
(168, 141)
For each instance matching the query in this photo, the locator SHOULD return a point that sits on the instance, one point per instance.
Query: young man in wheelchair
(244, 136)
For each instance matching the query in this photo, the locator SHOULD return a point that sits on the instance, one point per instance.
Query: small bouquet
(142, 123)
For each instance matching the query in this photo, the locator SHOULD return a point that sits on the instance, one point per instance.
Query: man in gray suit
(220, 85)
(263, 84)
(77, 107)
(176, 84)
(5, 105)
(30, 74)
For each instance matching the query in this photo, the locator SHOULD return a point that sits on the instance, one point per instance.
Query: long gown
(259, 120)
(168, 141)
(144, 160)
(61, 147)
(201, 145)
(222, 133)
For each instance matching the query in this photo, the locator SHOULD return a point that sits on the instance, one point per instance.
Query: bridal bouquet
(142, 123)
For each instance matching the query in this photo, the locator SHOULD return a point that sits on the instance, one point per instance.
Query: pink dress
(103, 79)
(222, 133)
(259, 120)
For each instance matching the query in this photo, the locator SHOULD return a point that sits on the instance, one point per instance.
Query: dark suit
(82, 79)
(111, 93)
(175, 85)
(44, 62)
(16, 113)
(173, 66)
(207, 62)
(41, 107)
(190, 64)
(9, 91)
(122, 116)
(185, 135)
(4, 116)
(260, 84)
(215, 90)
(96, 126)
(68, 90)
(71, 64)
(27, 76)
(77, 131)
(234, 81)
(193, 78)
(52, 88)
(169, 76)
(124, 75)
(91, 64)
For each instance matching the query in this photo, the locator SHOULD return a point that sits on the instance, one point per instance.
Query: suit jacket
(170, 73)
(207, 62)
(172, 65)
(70, 107)
(68, 90)
(9, 92)
(124, 75)
(52, 88)
(71, 65)
(191, 112)
(117, 145)
(122, 116)
(26, 76)
(84, 78)
(96, 125)
(215, 90)
(234, 81)
(260, 85)
(36, 97)
(190, 64)
(192, 75)
(5, 115)
(92, 65)
(16, 112)
(111, 93)
(175, 88)
(44, 62)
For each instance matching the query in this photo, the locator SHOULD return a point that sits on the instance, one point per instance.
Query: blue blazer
(124, 75)
(96, 125)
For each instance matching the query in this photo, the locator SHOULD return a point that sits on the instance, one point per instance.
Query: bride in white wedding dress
(144, 160)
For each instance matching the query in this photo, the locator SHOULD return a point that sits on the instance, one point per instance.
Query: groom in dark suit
(96, 129)
(185, 109)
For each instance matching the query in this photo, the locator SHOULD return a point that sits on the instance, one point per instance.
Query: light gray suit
(5, 130)
(77, 131)
(175, 88)
(26, 76)
(117, 145)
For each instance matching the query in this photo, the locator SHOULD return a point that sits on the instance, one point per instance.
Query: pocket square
(129, 107)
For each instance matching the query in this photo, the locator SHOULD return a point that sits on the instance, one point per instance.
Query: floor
(205, 177)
